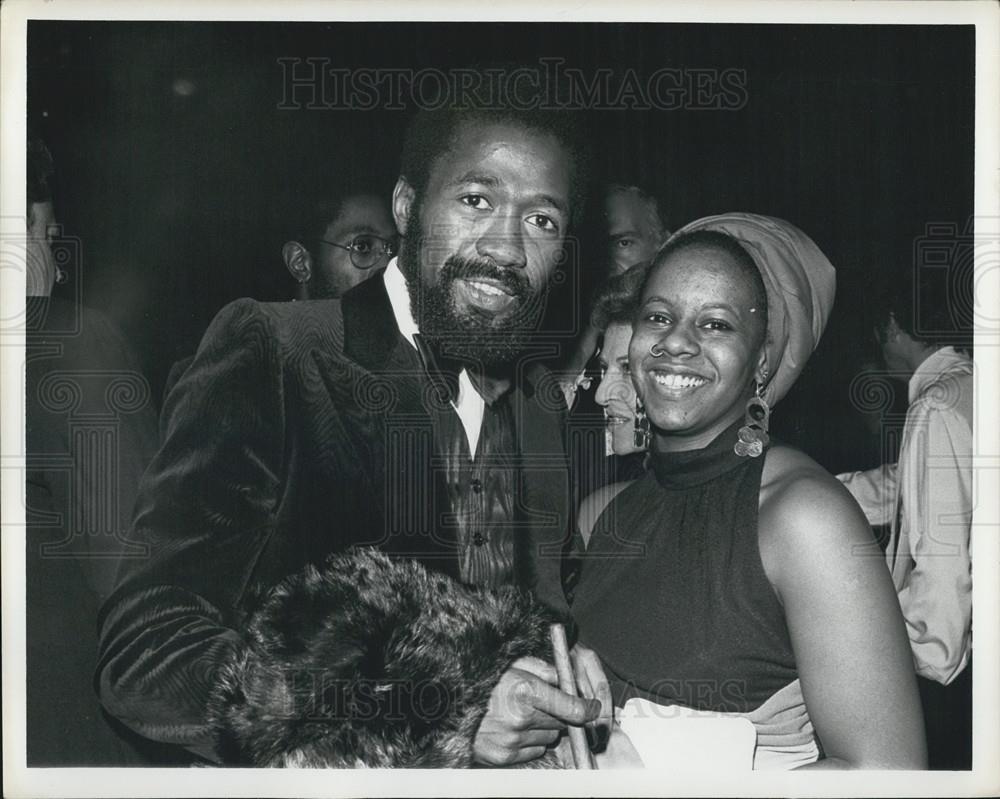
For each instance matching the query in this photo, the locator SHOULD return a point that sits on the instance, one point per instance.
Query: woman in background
(726, 579)
(612, 315)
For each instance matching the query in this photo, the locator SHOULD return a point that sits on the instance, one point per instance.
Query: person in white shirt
(926, 498)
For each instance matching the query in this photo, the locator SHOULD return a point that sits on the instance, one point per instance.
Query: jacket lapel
(416, 494)
(540, 425)
(414, 488)
(370, 331)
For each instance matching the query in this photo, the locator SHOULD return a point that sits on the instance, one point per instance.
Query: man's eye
(363, 245)
(543, 222)
(476, 201)
(657, 318)
(623, 244)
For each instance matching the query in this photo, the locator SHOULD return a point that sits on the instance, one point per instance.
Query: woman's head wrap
(800, 283)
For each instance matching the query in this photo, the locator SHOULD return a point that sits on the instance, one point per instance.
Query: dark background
(174, 160)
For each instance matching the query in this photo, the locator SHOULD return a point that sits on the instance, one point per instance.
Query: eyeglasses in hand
(366, 249)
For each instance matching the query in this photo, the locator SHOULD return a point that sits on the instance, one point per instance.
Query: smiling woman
(698, 339)
(612, 316)
(746, 544)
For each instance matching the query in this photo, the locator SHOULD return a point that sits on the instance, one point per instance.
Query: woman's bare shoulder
(789, 475)
(805, 514)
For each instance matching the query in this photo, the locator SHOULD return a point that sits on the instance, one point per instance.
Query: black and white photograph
(451, 400)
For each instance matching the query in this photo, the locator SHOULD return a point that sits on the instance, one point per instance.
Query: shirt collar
(399, 299)
(932, 367)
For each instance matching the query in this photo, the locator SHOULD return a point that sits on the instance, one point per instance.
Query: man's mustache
(457, 267)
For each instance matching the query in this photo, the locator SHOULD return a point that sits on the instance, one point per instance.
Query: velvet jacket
(299, 430)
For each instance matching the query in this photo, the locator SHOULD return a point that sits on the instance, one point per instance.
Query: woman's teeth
(678, 381)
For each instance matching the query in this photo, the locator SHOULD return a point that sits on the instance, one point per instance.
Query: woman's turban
(800, 283)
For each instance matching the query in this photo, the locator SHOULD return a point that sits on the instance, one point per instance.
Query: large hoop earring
(641, 436)
(655, 352)
(752, 437)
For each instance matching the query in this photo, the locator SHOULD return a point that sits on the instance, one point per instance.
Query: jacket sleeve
(936, 598)
(204, 513)
(874, 490)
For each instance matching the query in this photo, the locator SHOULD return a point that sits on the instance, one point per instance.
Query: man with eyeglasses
(339, 233)
(340, 238)
(408, 415)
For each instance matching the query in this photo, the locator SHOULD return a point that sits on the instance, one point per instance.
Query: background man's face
(333, 270)
(892, 343)
(633, 234)
(41, 264)
(492, 223)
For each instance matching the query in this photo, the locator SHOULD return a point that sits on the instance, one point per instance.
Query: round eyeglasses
(366, 249)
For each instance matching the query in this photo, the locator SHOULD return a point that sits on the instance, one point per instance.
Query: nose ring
(655, 352)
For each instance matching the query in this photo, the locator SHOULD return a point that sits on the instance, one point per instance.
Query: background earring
(641, 435)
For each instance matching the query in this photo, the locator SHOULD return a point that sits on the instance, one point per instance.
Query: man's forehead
(621, 204)
(492, 151)
(628, 212)
(363, 213)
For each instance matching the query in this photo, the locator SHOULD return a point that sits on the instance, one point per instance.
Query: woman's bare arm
(847, 632)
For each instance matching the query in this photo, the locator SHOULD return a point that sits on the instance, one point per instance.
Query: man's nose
(503, 242)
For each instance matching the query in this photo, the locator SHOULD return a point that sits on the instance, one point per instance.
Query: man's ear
(892, 329)
(402, 204)
(298, 261)
(888, 331)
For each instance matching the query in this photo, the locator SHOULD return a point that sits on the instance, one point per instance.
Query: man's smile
(485, 293)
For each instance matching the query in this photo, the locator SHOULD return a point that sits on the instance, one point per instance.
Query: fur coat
(373, 663)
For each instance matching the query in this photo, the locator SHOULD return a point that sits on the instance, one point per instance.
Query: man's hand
(526, 713)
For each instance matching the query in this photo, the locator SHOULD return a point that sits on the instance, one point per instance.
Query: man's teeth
(678, 381)
(486, 288)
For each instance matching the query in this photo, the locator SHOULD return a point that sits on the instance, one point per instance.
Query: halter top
(673, 596)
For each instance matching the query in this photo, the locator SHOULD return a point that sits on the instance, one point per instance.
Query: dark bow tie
(444, 371)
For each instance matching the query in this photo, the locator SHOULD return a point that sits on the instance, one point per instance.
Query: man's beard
(471, 336)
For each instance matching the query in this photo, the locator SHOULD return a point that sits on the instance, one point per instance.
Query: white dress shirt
(470, 406)
(930, 538)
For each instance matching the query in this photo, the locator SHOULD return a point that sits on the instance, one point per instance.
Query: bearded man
(407, 416)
